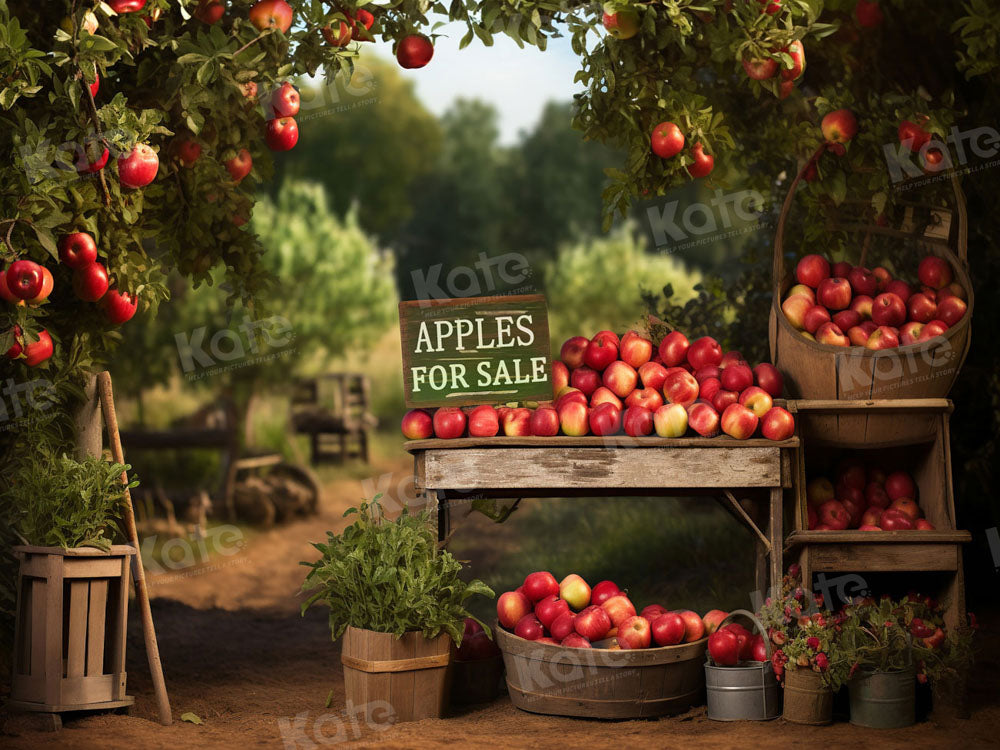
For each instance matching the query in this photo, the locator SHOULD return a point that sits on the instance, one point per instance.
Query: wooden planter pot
(394, 680)
(922, 370)
(69, 640)
(602, 684)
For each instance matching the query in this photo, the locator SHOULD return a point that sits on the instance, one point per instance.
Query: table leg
(776, 536)
(443, 516)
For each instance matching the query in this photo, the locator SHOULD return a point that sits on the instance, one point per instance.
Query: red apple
(932, 330)
(666, 140)
(777, 424)
(674, 348)
(757, 400)
(539, 585)
(138, 167)
(670, 421)
(871, 517)
(648, 398)
(862, 305)
(854, 511)
(585, 379)
(709, 388)
(704, 352)
(737, 377)
(636, 350)
(813, 519)
(209, 11)
(511, 607)
(604, 591)
(271, 14)
(852, 473)
(573, 640)
(900, 484)
(954, 289)
(240, 165)
(724, 648)
(713, 619)
(417, 425)
(549, 608)
(769, 377)
(731, 358)
(544, 422)
(694, 628)
(575, 591)
(414, 51)
(894, 520)
(858, 336)
(572, 351)
(119, 307)
(803, 290)
(652, 375)
(935, 272)
(839, 126)
(882, 277)
(562, 626)
(483, 421)
(529, 628)
(603, 395)
(634, 633)
(600, 353)
(845, 320)
(831, 335)
(833, 514)
(188, 151)
(90, 282)
(815, 317)
(923, 524)
(680, 387)
(593, 623)
(668, 629)
(910, 333)
(811, 270)
(621, 378)
(449, 422)
(951, 310)
(883, 337)
(560, 377)
(652, 611)
(723, 399)
(573, 419)
(285, 100)
(637, 421)
(760, 69)
(795, 309)
(703, 419)
(907, 507)
(876, 496)
(863, 281)
(281, 134)
(834, 293)
(739, 422)
(796, 50)
(711, 372)
(921, 308)
(605, 419)
(889, 310)
(900, 288)
(619, 609)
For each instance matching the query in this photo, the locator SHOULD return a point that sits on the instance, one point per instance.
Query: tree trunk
(87, 422)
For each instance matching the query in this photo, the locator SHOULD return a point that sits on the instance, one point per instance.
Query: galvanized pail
(884, 700)
(747, 691)
(807, 698)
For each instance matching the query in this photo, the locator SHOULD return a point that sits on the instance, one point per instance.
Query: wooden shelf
(798, 538)
(593, 441)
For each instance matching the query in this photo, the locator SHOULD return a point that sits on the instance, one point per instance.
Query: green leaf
(192, 718)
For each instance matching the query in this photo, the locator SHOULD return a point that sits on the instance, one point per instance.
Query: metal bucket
(807, 698)
(884, 700)
(748, 691)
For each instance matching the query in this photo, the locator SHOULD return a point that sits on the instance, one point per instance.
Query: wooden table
(746, 476)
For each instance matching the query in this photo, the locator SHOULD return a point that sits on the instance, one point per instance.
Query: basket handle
(757, 624)
(778, 265)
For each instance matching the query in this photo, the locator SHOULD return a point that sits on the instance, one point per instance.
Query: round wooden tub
(600, 683)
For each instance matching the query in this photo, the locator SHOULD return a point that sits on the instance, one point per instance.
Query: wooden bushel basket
(69, 640)
(923, 370)
(600, 683)
(393, 679)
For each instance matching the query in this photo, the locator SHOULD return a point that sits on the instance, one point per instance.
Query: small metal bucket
(807, 699)
(884, 700)
(748, 691)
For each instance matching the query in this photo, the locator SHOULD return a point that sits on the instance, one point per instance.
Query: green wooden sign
(475, 350)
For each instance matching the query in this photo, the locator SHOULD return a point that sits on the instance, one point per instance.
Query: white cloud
(518, 82)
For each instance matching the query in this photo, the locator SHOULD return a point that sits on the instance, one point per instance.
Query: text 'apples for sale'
(475, 350)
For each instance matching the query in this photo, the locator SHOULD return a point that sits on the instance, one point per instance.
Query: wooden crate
(396, 679)
(69, 641)
(601, 683)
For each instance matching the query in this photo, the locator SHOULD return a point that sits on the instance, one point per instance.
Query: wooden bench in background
(332, 410)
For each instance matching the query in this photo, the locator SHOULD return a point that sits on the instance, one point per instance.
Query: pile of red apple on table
(866, 499)
(572, 614)
(841, 305)
(605, 385)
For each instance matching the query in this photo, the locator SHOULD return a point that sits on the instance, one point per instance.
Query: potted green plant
(807, 657)
(398, 601)
(71, 574)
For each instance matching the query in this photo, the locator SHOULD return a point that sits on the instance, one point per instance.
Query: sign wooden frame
(455, 351)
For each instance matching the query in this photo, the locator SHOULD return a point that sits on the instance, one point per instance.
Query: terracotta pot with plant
(397, 599)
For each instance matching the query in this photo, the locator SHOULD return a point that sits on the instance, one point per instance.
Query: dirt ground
(238, 655)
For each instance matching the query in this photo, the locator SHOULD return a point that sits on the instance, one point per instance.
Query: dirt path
(238, 655)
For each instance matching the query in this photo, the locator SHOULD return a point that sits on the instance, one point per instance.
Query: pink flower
(819, 620)
(794, 570)
(799, 593)
(822, 662)
(819, 600)
(813, 643)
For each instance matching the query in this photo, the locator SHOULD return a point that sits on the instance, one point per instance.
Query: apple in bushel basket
(634, 633)
(575, 591)
(845, 320)
(815, 316)
(803, 290)
(900, 288)
(668, 629)
(604, 591)
(951, 310)
(572, 351)
(934, 272)
(511, 607)
(574, 640)
(795, 309)
(713, 618)
(539, 585)
(834, 293)
(883, 337)
(483, 421)
(889, 309)
(724, 648)
(593, 623)
(619, 609)
(652, 611)
(562, 626)
(529, 627)
(862, 305)
(933, 329)
(417, 425)
(863, 281)
(812, 269)
(694, 627)
(549, 608)
(831, 335)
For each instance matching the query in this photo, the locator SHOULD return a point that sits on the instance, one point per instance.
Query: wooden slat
(481, 468)
(96, 623)
(776, 534)
(116, 549)
(397, 665)
(913, 557)
(86, 690)
(77, 637)
(907, 405)
(39, 598)
(53, 626)
(878, 537)
(593, 441)
(403, 687)
(97, 568)
(119, 615)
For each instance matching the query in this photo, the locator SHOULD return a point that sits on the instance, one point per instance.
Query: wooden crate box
(69, 641)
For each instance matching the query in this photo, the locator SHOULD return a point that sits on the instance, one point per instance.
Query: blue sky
(518, 82)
